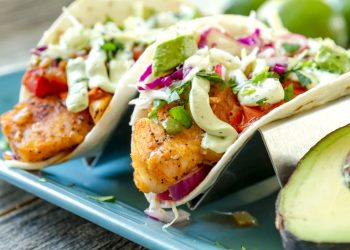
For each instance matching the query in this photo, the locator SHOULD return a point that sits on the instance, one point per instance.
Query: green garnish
(304, 80)
(111, 48)
(172, 126)
(264, 75)
(232, 83)
(219, 245)
(182, 90)
(332, 60)
(291, 48)
(108, 19)
(110, 198)
(289, 93)
(157, 104)
(4, 146)
(261, 101)
(181, 115)
(248, 90)
(212, 77)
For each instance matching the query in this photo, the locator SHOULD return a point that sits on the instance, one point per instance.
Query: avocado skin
(292, 242)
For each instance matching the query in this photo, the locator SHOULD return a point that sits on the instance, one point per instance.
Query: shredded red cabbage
(185, 186)
(279, 68)
(251, 40)
(146, 73)
(37, 51)
(165, 81)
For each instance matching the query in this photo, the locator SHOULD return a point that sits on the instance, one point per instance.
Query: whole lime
(312, 18)
(243, 7)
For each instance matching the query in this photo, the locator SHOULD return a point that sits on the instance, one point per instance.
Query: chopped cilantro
(4, 146)
(304, 80)
(263, 75)
(290, 48)
(232, 83)
(109, 19)
(157, 104)
(261, 101)
(289, 93)
(183, 90)
(111, 48)
(248, 90)
(110, 198)
(332, 60)
(212, 77)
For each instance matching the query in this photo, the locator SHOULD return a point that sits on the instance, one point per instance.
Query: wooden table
(27, 222)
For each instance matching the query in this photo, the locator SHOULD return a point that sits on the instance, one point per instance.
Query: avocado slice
(171, 53)
(313, 209)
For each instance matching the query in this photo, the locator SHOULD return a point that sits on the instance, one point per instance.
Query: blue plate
(68, 186)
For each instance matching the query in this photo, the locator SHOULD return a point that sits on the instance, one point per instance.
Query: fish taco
(208, 86)
(73, 92)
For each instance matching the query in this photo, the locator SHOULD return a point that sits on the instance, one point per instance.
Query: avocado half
(313, 209)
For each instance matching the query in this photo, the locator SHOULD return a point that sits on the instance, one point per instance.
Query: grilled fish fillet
(40, 128)
(160, 160)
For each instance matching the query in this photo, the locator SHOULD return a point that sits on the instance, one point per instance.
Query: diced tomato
(137, 51)
(218, 69)
(236, 120)
(250, 115)
(43, 82)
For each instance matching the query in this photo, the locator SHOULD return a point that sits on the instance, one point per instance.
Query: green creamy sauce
(77, 98)
(219, 135)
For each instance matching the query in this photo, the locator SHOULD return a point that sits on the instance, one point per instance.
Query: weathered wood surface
(27, 222)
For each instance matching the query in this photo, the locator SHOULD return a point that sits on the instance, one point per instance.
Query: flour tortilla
(237, 26)
(89, 12)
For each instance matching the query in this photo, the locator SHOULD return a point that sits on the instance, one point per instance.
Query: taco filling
(69, 83)
(200, 96)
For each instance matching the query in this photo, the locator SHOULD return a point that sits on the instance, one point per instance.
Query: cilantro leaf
(289, 93)
(263, 75)
(4, 146)
(290, 48)
(304, 80)
(212, 77)
(110, 198)
(157, 104)
(262, 101)
(108, 19)
(332, 60)
(183, 90)
(232, 83)
(111, 48)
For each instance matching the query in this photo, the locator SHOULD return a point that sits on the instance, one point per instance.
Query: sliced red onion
(253, 39)
(280, 68)
(209, 38)
(167, 216)
(146, 73)
(272, 61)
(293, 38)
(165, 81)
(37, 51)
(186, 185)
